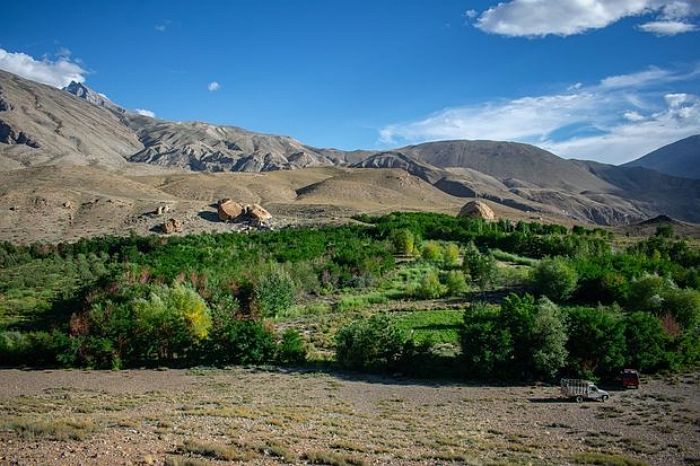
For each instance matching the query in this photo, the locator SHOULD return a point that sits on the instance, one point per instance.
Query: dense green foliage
(213, 298)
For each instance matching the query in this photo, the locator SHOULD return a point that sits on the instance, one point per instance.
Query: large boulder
(173, 225)
(258, 214)
(477, 209)
(229, 210)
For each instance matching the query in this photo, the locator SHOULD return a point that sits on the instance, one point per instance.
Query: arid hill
(681, 158)
(137, 163)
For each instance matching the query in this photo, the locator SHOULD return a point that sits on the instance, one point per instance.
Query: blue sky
(606, 83)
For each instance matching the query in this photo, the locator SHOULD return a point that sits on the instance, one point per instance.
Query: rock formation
(477, 209)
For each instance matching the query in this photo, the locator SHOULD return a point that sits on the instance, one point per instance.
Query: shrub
(450, 256)
(239, 342)
(374, 343)
(554, 278)
(274, 291)
(404, 242)
(430, 286)
(170, 322)
(432, 251)
(456, 282)
(684, 306)
(291, 349)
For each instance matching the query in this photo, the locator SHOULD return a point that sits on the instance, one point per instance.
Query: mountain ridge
(79, 126)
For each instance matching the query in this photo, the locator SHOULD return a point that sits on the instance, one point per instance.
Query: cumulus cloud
(58, 73)
(144, 112)
(614, 120)
(214, 86)
(539, 18)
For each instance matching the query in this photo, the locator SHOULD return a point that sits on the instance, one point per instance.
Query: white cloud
(161, 27)
(214, 86)
(594, 121)
(633, 115)
(539, 18)
(144, 112)
(668, 28)
(471, 14)
(58, 73)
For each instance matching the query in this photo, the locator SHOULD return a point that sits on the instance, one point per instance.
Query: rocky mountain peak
(82, 91)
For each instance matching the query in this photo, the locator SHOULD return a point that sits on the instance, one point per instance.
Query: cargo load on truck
(580, 389)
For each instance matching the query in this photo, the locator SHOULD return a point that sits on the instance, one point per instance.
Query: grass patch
(432, 326)
(183, 461)
(332, 459)
(604, 459)
(513, 258)
(357, 302)
(211, 450)
(55, 429)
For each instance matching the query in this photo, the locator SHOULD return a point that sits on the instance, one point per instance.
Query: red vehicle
(630, 378)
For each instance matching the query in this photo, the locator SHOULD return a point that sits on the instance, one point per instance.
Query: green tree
(596, 344)
(487, 345)
(646, 342)
(480, 267)
(549, 337)
(554, 278)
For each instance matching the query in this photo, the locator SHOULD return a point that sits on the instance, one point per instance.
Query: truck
(580, 389)
(630, 378)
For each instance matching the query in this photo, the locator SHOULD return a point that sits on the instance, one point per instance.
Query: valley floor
(256, 416)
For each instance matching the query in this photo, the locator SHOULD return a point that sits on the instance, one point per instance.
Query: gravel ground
(255, 416)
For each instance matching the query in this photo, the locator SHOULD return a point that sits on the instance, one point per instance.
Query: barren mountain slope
(40, 125)
(681, 158)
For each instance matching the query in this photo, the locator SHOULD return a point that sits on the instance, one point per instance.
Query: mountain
(681, 158)
(43, 129)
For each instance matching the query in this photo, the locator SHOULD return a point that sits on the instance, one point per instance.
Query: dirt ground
(258, 416)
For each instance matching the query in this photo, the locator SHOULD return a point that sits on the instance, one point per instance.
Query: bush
(683, 305)
(554, 278)
(404, 242)
(374, 343)
(456, 283)
(432, 251)
(239, 342)
(170, 322)
(450, 256)
(291, 349)
(430, 286)
(273, 292)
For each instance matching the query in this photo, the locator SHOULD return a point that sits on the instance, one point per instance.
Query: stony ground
(255, 416)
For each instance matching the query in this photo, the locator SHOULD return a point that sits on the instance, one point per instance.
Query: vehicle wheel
(579, 399)
(605, 398)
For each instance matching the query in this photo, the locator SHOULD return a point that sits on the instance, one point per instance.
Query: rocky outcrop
(81, 91)
(477, 209)
(10, 135)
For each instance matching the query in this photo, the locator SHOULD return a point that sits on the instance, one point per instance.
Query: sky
(607, 80)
